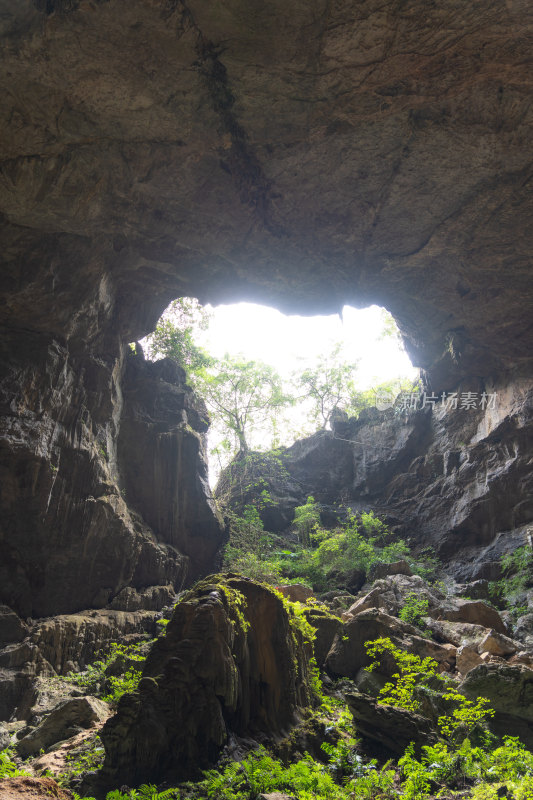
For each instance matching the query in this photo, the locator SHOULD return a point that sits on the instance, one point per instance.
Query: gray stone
(64, 721)
(391, 727)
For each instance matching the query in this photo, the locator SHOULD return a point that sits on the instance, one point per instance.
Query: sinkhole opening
(269, 378)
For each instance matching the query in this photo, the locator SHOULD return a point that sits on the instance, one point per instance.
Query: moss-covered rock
(234, 658)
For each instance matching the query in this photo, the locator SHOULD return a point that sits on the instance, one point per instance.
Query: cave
(305, 155)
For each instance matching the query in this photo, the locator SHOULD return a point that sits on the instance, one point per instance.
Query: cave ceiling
(302, 153)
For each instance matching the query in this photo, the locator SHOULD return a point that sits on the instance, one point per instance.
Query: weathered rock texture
(231, 660)
(307, 154)
(58, 645)
(459, 480)
(392, 728)
(311, 154)
(68, 466)
(63, 722)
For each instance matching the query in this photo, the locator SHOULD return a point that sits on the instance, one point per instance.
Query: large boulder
(348, 654)
(64, 721)
(475, 612)
(232, 659)
(509, 687)
(388, 726)
(12, 628)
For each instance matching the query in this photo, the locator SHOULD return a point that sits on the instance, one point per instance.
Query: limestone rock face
(458, 480)
(302, 154)
(69, 538)
(230, 660)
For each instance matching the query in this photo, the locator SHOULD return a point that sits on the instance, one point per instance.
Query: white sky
(265, 334)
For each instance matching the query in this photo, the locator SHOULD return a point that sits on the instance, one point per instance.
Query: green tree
(175, 333)
(328, 384)
(244, 396)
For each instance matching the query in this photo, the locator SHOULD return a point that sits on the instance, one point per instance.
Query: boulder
(467, 658)
(476, 612)
(232, 660)
(382, 570)
(522, 658)
(497, 644)
(457, 633)
(523, 630)
(391, 594)
(391, 727)
(509, 688)
(296, 592)
(348, 654)
(5, 737)
(12, 628)
(64, 721)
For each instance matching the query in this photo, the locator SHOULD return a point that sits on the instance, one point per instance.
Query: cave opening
(324, 364)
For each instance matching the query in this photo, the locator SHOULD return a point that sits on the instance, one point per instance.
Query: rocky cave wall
(307, 155)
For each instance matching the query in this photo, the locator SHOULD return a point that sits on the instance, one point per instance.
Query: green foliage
(509, 591)
(96, 680)
(414, 610)
(121, 684)
(328, 384)
(308, 779)
(175, 332)
(245, 397)
(307, 520)
(8, 766)
(358, 545)
(144, 792)
(411, 671)
(249, 549)
(465, 717)
(88, 757)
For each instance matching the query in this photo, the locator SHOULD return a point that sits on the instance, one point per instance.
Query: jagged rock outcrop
(58, 645)
(69, 538)
(390, 727)
(458, 480)
(231, 660)
(64, 721)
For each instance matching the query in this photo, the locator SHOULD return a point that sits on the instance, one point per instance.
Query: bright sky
(265, 334)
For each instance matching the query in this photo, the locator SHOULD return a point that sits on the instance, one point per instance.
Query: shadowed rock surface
(458, 480)
(69, 538)
(392, 728)
(228, 662)
(308, 155)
